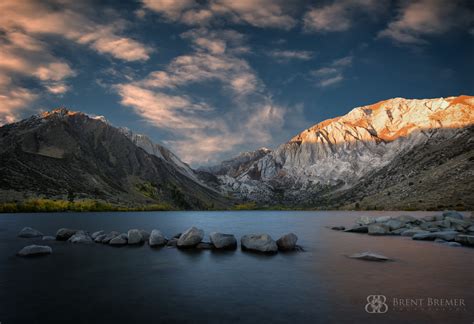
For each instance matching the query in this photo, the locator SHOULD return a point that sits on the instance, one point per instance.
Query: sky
(212, 78)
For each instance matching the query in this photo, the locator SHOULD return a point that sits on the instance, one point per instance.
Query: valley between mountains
(397, 154)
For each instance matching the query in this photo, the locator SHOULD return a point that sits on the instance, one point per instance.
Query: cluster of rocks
(191, 238)
(450, 228)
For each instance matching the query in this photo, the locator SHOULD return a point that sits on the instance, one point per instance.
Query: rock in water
(383, 219)
(28, 232)
(95, 234)
(369, 256)
(205, 246)
(223, 241)
(378, 229)
(100, 238)
(109, 237)
(259, 242)
(444, 235)
(452, 214)
(358, 229)
(413, 231)
(134, 236)
(119, 240)
(156, 238)
(32, 250)
(365, 220)
(80, 237)
(465, 239)
(338, 228)
(287, 242)
(190, 237)
(63, 234)
(172, 243)
(145, 235)
(49, 238)
(395, 224)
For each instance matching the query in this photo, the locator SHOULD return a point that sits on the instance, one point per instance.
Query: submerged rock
(223, 241)
(156, 238)
(28, 232)
(32, 250)
(358, 229)
(445, 235)
(190, 237)
(413, 231)
(369, 256)
(134, 236)
(205, 246)
(63, 234)
(259, 242)
(287, 242)
(48, 238)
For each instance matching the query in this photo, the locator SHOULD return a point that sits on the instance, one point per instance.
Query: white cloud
(417, 19)
(339, 15)
(200, 132)
(332, 74)
(287, 55)
(258, 13)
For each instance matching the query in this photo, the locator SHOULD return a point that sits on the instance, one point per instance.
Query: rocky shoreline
(192, 238)
(450, 228)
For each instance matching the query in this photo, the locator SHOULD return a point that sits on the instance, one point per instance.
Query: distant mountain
(70, 155)
(394, 154)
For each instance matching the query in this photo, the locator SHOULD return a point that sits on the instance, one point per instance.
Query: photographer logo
(376, 304)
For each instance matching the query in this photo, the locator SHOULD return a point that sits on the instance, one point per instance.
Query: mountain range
(395, 154)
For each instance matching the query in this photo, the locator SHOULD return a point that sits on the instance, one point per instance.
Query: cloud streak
(333, 73)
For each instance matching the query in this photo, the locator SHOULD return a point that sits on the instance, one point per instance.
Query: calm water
(98, 283)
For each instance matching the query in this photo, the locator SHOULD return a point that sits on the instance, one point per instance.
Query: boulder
(95, 234)
(109, 237)
(413, 231)
(465, 239)
(429, 218)
(145, 235)
(369, 256)
(190, 238)
(445, 235)
(172, 242)
(365, 220)
(338, 228)
(398, 231)
(383, 219)
(287, 242)
(100, 238)
(406, 219)
(119, 240)
(452, 214)
(63, 234)
(470, 228)
(378, 229)
(456, 221)
(134, 236)
(28, 232)
(156, 238)
(223, 241)
(259, 242)
(177, 236)
(394, 224)
(32, 250)
(205, 246)
(49, 238)
(358, 229)
(80, 237)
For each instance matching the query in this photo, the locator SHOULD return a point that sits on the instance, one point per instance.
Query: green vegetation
(86, 205)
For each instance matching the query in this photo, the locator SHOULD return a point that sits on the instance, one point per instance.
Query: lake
(99, 283)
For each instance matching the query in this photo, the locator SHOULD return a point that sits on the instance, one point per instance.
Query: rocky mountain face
(69, 155)
(397, 153)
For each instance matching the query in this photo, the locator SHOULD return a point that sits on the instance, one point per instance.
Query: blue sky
(213, 78)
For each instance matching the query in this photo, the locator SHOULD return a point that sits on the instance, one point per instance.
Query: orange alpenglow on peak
(391, 119)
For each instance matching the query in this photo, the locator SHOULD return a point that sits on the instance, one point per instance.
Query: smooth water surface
(99, 283)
